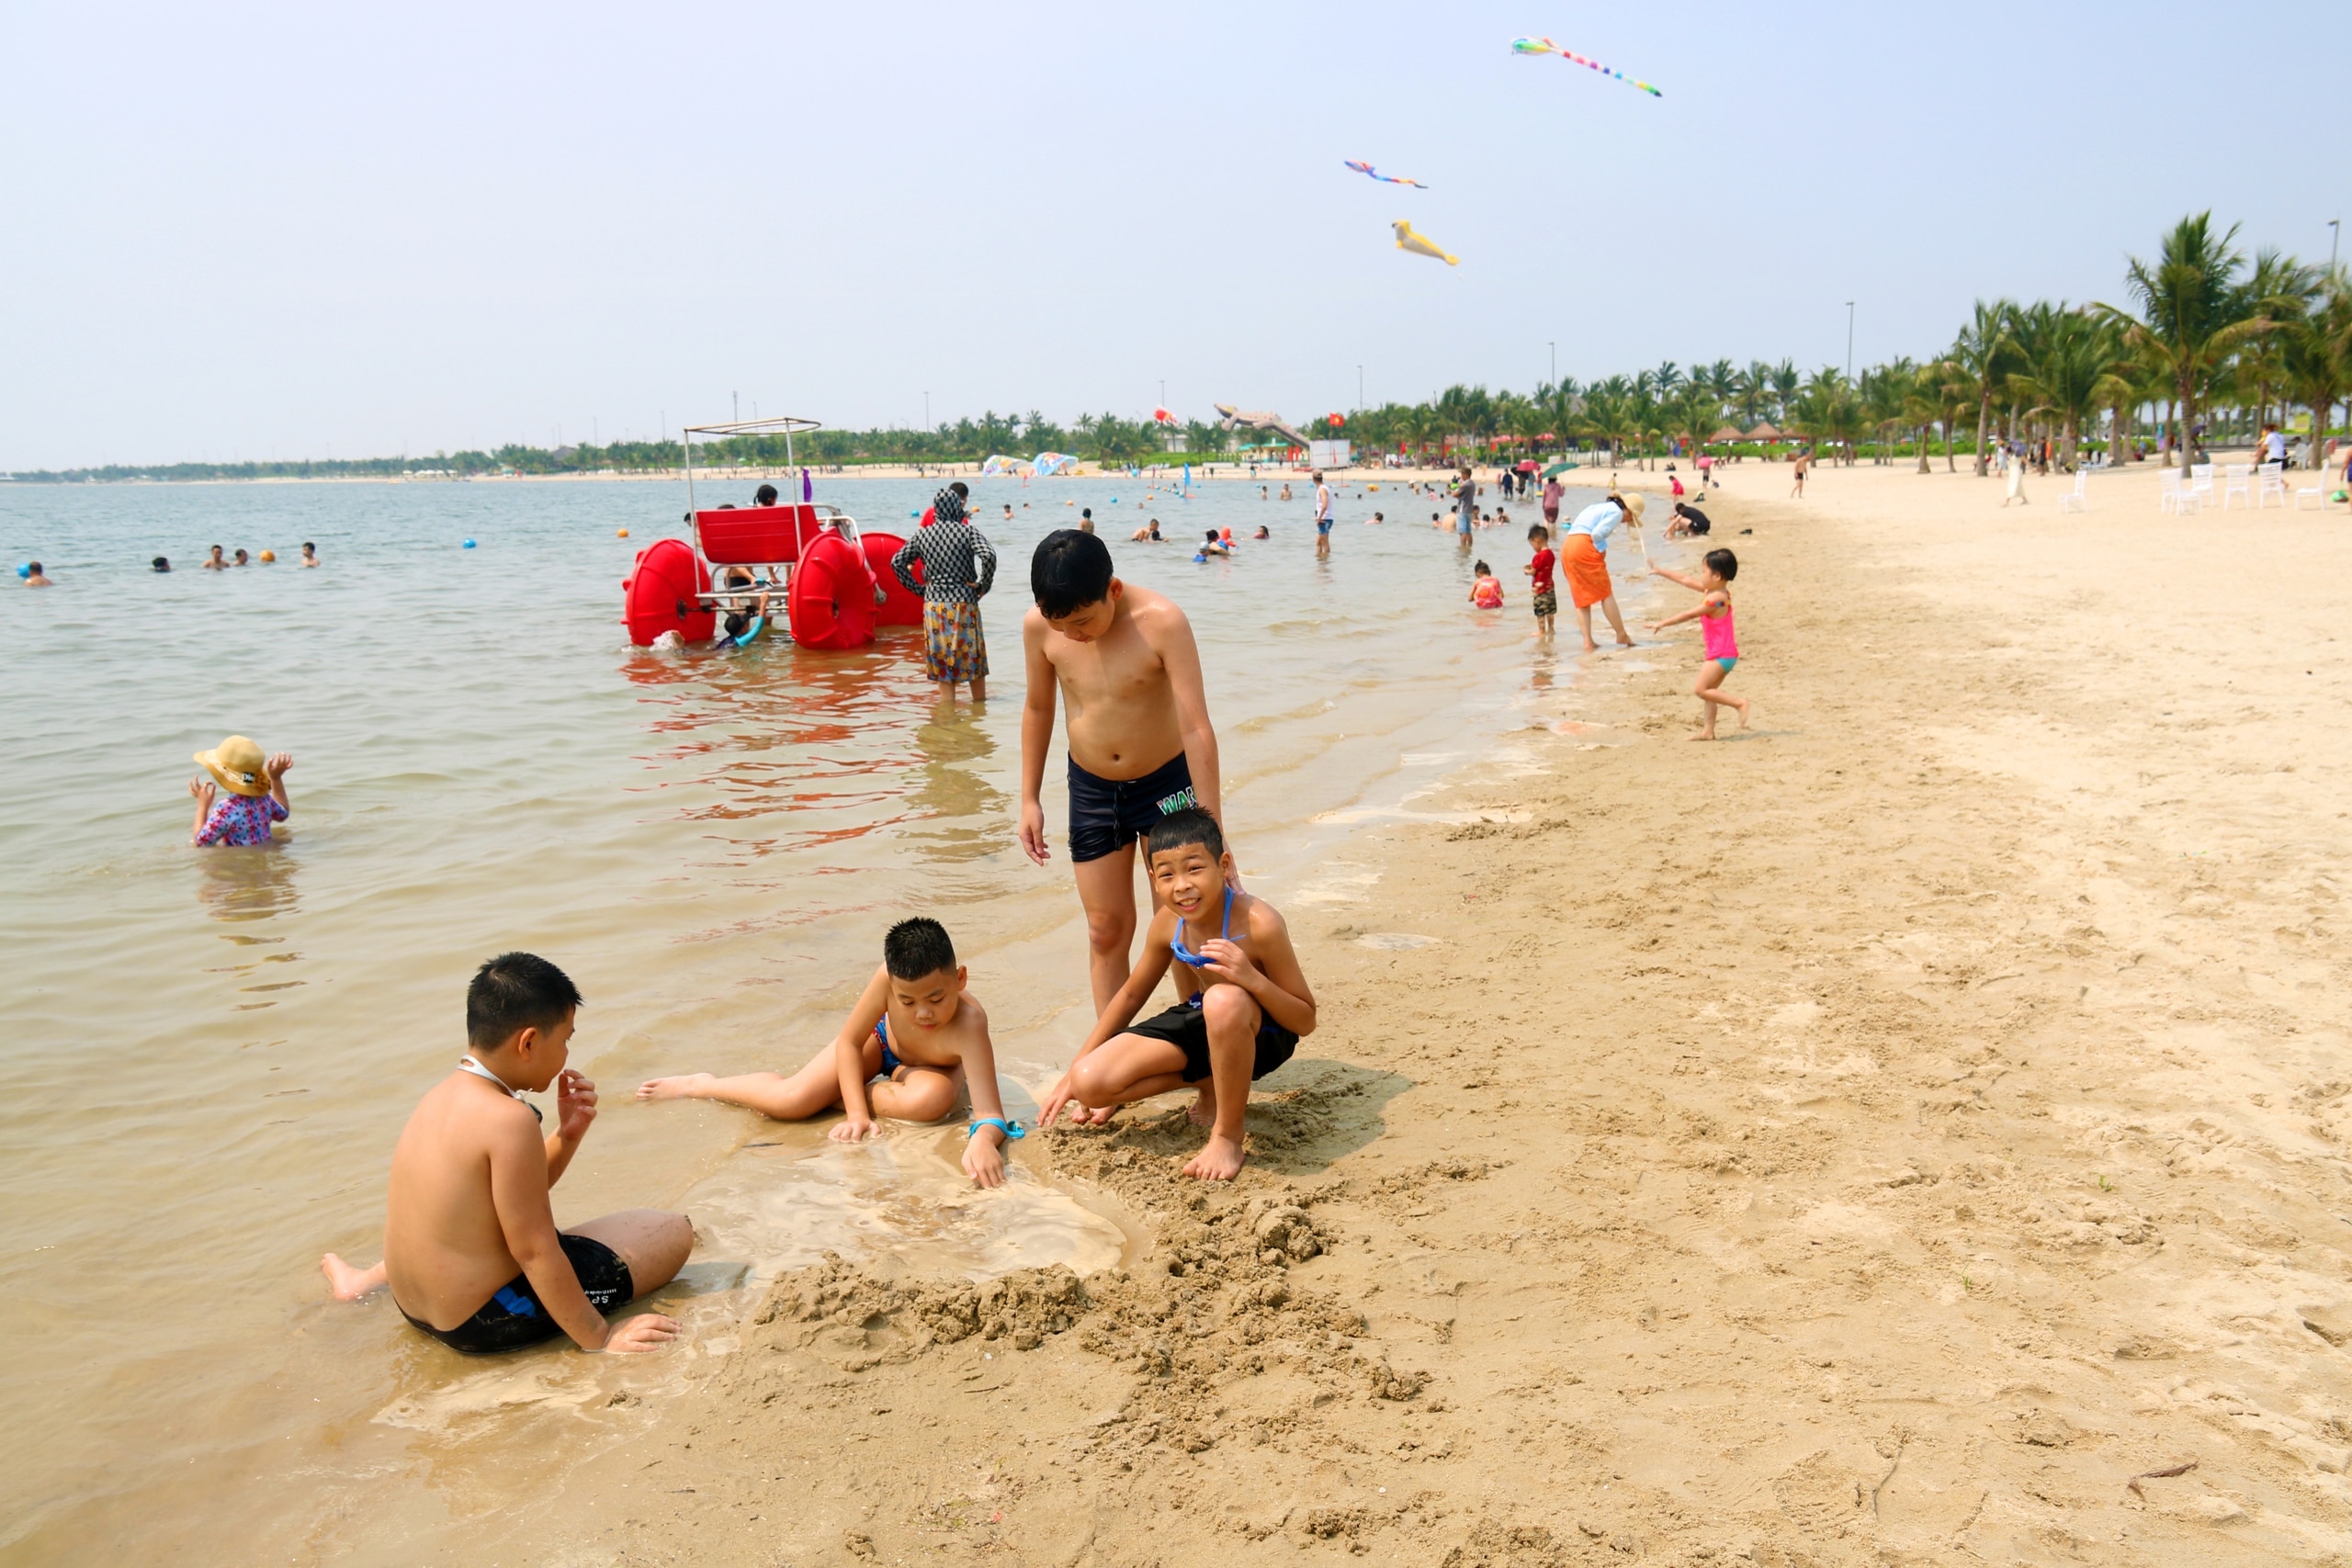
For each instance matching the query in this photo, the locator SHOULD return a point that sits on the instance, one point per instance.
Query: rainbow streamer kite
(1385, 179)
(1545, 46)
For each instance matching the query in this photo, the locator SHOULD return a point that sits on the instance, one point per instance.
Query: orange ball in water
(270, 555)
(620, 533)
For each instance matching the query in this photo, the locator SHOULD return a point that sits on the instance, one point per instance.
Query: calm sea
(207, 1055)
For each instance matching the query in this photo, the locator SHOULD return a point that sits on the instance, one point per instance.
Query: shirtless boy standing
(1247, 1008)
(916, 1027)
(471, 1248)
(1140, 745)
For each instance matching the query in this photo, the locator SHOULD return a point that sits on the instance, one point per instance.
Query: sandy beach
(1909, 1132)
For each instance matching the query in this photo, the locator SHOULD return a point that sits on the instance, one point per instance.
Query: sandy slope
(1878, 1138)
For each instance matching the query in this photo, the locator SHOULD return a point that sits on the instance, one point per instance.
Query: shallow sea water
(207, 1055)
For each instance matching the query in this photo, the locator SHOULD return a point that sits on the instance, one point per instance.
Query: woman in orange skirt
(1584, 561)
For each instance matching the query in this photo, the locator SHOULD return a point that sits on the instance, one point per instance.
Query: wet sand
(1892, 1135)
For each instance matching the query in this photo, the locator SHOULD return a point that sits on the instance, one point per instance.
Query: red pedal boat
(835, 580)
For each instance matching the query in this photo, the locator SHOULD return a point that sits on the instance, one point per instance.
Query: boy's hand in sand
(852, 1129)
(634, 1335)
(1061, 1095)
(1033, 831)
(575, 1105)
(984, 1158)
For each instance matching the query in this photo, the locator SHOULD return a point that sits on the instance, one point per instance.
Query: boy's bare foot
(1219, 1160)
(1201, 1112)
(347, 1283)
(683, 1087)
(1624, 642)
(1591, 645)
(1702, 735)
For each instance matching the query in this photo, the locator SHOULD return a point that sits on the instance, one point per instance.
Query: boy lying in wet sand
(471, 1248)
(1249, 1006)
(916, 1029)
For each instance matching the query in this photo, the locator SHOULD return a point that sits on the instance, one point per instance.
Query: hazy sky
(240, 231)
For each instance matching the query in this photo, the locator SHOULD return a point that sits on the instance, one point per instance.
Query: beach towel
(1588, 574)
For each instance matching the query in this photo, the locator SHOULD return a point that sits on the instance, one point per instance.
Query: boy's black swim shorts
(513, 1317)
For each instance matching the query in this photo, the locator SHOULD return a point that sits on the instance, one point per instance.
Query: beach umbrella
(1527, 465)
(1764, 432)
(1726, 433)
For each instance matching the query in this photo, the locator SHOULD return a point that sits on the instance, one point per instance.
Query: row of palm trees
(2207, 344)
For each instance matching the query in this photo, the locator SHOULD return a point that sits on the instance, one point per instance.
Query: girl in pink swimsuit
(1719, 643)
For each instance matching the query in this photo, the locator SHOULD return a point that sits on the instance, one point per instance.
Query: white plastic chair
(2269, 484)
(2075, 499)
(2238, 474)
(2317, 493)
(2200, 483)
(2172, 495)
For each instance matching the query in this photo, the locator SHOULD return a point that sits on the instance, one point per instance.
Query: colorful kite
(1385, 179)
(1545, 46)
(1421, 244)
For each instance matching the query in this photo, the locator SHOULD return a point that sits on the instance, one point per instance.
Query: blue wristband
(1011, 1129)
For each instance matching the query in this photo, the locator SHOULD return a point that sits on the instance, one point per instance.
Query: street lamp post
(2334, 232)
(1555, 362)
(1359, 388)
(1849, 340)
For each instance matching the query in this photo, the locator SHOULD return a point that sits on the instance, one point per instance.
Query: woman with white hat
(256, 797)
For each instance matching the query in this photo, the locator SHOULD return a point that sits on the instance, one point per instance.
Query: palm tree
(1749, 390)
(2317, 358)
(2192, 314)
(1927, 400)
(1785, 381)
(1982, 354)
(2077, 362)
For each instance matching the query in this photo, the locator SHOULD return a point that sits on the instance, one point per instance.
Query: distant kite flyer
(1545, 46)
(1369, 172)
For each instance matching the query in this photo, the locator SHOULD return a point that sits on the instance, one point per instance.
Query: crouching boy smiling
(1248, 1005)
(471, 1248)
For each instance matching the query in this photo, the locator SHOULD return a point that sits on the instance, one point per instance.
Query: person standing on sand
(1803, 463)
(2017, 481)
(1124, 662)
(1583, 560)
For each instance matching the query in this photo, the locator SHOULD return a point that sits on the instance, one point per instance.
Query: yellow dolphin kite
(1421, 244)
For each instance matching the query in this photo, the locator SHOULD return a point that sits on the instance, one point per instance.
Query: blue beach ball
(470, 544)
(26, 572)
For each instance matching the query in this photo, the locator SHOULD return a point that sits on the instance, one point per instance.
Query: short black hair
(1070, 571)
(1483, 569)
(764, 496)
(914, 949)
(960, 487)
(32, 569)
(1724, 564)
(1178, 828)
(308, 546)
(1537, 531)
(1212, 536)
(162, 563)
(513, 992)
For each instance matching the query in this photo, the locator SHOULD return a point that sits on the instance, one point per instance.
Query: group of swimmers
(34, 577)
(472, 1255)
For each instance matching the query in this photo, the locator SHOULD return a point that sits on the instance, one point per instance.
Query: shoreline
(1825, 1145)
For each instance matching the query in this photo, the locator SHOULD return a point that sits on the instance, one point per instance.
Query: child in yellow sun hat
(255, 799)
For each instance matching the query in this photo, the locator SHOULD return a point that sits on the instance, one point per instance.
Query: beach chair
(2172, 495)
(2318, 494)
(2201, 483)
(2267, 483)
(2077, 500)
(2239, 476)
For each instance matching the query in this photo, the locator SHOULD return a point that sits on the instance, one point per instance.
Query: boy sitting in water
(471, 1248)
(916, 1029)
(1247, 1008)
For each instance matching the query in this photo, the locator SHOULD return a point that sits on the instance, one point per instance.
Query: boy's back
(445, 1251)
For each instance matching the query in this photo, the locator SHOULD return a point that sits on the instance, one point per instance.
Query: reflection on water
(974, 816)
(254, 884)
